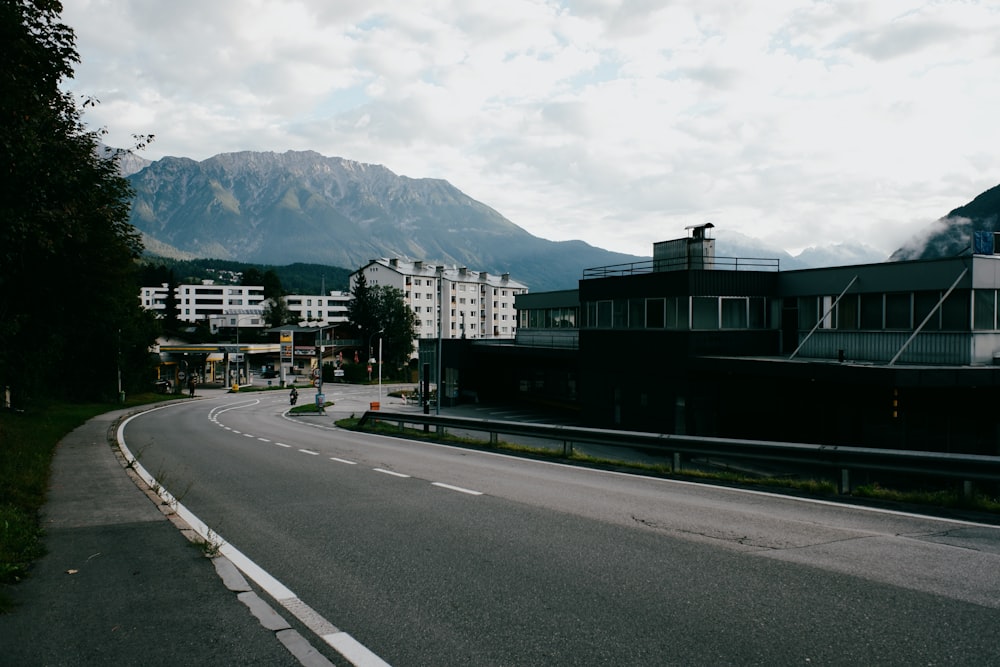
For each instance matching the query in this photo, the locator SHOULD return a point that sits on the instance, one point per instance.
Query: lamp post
(379, 362)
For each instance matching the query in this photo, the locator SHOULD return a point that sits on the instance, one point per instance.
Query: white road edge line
(353, 650)
(389, 472)
(457, 488)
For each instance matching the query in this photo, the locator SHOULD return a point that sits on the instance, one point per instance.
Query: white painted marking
(234, 430)
(350, 463)
(281, 444)
(389, 472)
(457, 488)
(263, 439)
(306, 451)
(357, 653)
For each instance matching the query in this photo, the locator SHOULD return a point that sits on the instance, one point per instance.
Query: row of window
(902, 311)
(963, 310)
(677, 312)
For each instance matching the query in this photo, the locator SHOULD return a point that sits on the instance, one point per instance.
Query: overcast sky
(618, 122)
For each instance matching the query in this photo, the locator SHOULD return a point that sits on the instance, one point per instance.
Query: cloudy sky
(619, 122)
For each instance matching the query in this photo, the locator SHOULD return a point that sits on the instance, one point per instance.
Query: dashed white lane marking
(309, 451)
(281, 444)
(389, 472)
(457, 488)
(263, 439)
(350, 463)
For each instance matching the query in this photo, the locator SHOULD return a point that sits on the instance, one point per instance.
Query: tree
(361, 308)
(276, 312)
(381, 311)
(398, 324)
(69, 312)
(272, 285)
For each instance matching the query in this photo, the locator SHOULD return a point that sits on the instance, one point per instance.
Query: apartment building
(207, 302)
(220, 305)
(319, 309)
(456, 301)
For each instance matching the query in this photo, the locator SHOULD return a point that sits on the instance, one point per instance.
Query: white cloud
(616, 121)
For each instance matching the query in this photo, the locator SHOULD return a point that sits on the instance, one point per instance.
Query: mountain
(951, 235)
(299, 206)
(734, 244)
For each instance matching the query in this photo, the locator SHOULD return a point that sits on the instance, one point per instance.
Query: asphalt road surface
(432, 555)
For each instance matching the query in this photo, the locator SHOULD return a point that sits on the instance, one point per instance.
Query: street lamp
(378, 333)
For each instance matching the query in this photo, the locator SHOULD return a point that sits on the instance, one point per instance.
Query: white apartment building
(219, 305)
(475, 304)
(317, 309)
(226, 306)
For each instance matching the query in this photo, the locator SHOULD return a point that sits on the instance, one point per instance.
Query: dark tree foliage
(296, 278)
(272, 285)
(276, 312)
(69, 313)
(398, 324)
(361, 308)
(252, 276)
(380, 311)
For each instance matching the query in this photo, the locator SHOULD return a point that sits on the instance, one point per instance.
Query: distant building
(319, 309)
(455, 301)
(229, 306)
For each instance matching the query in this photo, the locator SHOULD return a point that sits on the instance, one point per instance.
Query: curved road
(431, 555)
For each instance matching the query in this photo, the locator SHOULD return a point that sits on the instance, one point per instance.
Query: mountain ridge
(300, 206)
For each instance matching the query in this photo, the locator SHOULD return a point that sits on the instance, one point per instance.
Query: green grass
(949, 499)
(27, 444)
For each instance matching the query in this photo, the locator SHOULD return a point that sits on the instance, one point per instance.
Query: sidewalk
(121, 584)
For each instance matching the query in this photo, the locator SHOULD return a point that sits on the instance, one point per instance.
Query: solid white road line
(457, 488)
(389, 472)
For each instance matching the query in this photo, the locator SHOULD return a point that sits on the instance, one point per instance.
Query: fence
(963, 467)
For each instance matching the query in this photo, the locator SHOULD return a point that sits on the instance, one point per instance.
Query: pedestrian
(191, 384)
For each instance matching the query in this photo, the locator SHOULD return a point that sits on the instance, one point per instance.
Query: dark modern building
(893, 355)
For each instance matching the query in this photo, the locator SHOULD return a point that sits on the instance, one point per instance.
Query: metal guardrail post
(676, 463)
(845, 482)
(493, 438)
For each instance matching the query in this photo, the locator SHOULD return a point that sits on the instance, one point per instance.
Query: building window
(871, 311)
(955, 311)
(848, 314)
(734, 313)
(656, 314)
(604, 314)
(704, 312)
(898, 307)
(984, 308)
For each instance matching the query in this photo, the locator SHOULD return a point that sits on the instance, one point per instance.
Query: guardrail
(964, 467)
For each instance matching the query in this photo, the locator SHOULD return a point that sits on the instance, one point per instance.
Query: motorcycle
(294, 396)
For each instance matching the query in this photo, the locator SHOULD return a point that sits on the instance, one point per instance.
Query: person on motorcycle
(293, 396)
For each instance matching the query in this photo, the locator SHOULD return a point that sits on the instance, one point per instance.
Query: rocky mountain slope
(952, 235)
(300, 206)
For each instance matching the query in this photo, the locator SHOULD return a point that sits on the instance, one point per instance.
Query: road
(432, 555)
